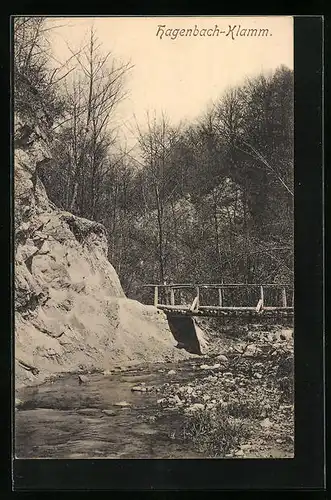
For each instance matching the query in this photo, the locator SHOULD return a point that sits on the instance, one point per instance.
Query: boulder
(266, 423)
(139, 388)
(171, 372)
(109, 413)
(82, 379)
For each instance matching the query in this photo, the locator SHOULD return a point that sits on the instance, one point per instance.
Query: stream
(65, 419)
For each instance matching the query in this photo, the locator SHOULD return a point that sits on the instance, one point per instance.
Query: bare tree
(93, 92)
(36, 81)
(163, 170)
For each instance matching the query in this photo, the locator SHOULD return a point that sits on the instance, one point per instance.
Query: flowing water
(66, 419)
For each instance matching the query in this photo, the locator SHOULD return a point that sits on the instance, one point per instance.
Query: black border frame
(306, 470)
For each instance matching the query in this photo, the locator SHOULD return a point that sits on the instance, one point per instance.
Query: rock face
(70, 310)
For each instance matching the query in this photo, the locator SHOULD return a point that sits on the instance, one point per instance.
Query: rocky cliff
(70, 309)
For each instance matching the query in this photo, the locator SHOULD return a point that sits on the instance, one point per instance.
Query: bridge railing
(265, 296)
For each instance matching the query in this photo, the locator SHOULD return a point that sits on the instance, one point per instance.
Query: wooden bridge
(224, 299)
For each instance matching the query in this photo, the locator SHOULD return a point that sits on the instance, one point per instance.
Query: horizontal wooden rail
(196, 307)
(218, 308)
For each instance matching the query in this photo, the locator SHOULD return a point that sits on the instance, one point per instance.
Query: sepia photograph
(153, 173)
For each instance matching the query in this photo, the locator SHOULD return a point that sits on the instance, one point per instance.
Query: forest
(207, 201)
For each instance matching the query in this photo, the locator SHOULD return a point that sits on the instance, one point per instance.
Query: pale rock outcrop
(70, 309)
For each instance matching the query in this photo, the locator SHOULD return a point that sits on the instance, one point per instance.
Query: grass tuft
(214, 432)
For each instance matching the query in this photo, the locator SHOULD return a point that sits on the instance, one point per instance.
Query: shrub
(214, 432)
(286, 385)
(245, 408)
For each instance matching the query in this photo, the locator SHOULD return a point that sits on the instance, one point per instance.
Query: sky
(180, 76)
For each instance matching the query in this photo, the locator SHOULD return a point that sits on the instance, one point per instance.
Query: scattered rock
(171, 372)
(266, 423)
(210, 367)
(257, 375)
(286, 407)
(286, 335)
(222, 358)
(82, 379)
(138, 388)
(239, 453)
(109, 413)
(195, 407)
(250, 351)
(18, 402)
(107, 372)
(177, 400)
(228, 374)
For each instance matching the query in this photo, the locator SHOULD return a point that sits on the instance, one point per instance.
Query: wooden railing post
(284, 298)
(156, 296)
(262, 296)
(172, 296)
(220, 297)
(198, 298)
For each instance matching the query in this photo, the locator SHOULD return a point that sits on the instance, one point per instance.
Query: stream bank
(64, 418)
(140, 412)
